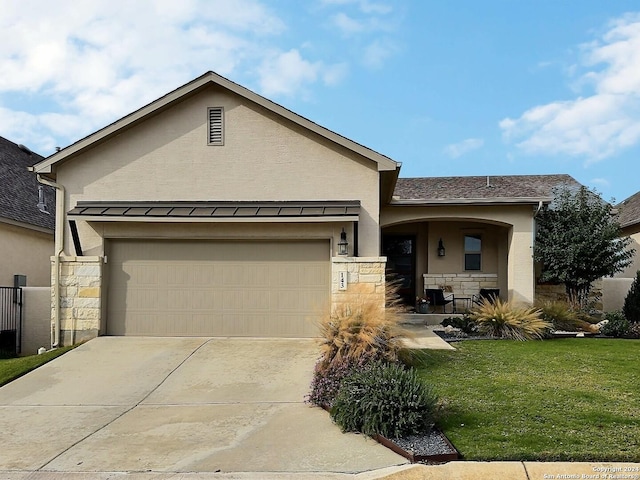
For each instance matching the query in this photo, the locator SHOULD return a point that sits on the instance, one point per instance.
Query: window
(216, 126)
(472, 252)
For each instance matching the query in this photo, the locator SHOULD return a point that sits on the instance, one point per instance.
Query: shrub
(464, 323)
(634, 330)
(617, 325)
(504, 320)
(563, 317)
(326, 382)
(385, 399)
(631, 306)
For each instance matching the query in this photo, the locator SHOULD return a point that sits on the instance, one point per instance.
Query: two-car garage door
(217, 288)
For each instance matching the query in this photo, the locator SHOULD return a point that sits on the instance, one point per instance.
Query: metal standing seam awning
(226, 211)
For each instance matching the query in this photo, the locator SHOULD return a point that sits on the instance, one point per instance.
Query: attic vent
(216, 124)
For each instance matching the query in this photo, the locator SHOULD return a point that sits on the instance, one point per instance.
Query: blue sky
(456, 87)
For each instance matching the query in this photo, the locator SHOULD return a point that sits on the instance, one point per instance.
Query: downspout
(59, 248)
(534, 226)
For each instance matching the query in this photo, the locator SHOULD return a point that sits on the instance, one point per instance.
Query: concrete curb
(449, 471)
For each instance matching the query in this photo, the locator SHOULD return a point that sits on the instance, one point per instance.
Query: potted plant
(422, 305)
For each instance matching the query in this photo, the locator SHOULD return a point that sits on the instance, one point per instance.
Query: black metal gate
(10, 320)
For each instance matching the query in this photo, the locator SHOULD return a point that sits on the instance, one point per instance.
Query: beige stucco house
(214, 211)
(629, 218)
(616, 289)
(26, 230)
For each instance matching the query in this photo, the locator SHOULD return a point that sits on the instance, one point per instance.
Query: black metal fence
(10, 320)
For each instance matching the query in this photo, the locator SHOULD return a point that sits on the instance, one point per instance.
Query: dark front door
(400, 251)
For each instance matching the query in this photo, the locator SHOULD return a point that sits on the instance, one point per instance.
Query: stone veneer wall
(463, 284)
(80, 294)
(365, 279)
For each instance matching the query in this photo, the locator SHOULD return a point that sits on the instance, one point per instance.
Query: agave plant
(505, 320)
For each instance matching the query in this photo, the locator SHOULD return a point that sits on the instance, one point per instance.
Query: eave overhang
(470, 201)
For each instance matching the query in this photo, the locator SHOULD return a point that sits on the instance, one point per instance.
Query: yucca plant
(504, 320)
(563, 317)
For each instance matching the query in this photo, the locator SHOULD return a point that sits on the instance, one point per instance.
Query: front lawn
(552, 400)
(12, 368)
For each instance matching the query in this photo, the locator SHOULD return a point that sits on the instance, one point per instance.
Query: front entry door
(400, 251)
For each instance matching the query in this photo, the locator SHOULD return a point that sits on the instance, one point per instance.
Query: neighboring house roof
(629, 211)
(210, 78)
(19, 188)
(484, 189)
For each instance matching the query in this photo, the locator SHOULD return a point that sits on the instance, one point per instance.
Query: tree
(579, 241)
(631, 308)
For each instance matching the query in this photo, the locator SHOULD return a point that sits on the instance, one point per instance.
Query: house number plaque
(342, 280)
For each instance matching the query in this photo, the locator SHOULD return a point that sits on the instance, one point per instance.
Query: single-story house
(615, 290)
(629, 219)
(27, 217)
(215, 211)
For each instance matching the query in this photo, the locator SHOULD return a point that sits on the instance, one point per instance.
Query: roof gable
(48, 165)
(629, 211)
(19, 188)
(480, 189)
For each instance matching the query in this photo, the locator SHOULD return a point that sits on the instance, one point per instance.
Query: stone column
(357, 279)
(80, 298)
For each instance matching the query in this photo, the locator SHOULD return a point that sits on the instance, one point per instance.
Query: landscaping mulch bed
(433, 447)
(459, 337)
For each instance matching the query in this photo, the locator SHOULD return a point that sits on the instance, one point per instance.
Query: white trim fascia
(28, 226)
(471, 201)
(45, 167)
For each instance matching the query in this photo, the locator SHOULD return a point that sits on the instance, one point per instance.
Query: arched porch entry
(459, 255)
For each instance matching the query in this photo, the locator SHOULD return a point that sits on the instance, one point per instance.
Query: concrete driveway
(126, 404)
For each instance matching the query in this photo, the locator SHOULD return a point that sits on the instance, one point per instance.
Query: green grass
(553, 400)
(12, 368)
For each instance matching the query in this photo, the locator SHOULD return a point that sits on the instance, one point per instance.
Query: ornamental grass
(563, 317)
(502, 319)
(353, 336)
(363, 330)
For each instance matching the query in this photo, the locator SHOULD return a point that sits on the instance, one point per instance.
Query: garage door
(193, 288)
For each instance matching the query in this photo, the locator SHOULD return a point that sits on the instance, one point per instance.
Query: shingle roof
(629, 211)
(19, 188)
(497, 188)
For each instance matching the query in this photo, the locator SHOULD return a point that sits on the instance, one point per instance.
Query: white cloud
(85, 64)
(597, 125)
(288, 73)
(365, 6)
(456, 150)
(377, 52)
(602, 182)
(69, 67)
(347, 24)
(363, 25)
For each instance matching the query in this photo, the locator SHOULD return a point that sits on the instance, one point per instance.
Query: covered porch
(459, 254)
(458, 257)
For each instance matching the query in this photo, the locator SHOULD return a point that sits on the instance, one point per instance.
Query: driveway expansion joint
(59, 454)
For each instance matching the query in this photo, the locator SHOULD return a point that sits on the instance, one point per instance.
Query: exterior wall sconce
(440, 248)
(343, 245)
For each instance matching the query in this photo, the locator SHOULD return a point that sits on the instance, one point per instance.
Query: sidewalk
(448, 471)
